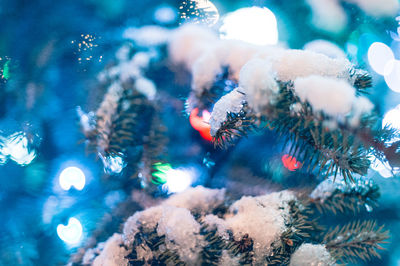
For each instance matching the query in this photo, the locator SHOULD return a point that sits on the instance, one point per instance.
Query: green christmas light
(160, 173)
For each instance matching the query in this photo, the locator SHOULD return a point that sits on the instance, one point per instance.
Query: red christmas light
(201, 123)
(291, 162)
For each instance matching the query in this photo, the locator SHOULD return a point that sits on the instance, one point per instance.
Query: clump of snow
(310, 254)
(206, 199)
(188, 42)
(144, 252)
(228, 260)
(229, 103)
(147, 219)
(332, 96)
(325, 47)
(113, 253)
(293, 64)
(262, 218)
(205, 68)
(257, 80)
(214, 222)
(147, 35)
(238, 53)
(361, 106)
(146, 87)
(177, 224)
(182, 233)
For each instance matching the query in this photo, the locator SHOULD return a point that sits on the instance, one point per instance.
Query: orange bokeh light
(291, 162)
(201, 123)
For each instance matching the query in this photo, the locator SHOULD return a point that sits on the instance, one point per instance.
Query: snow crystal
(293, 64)
(314, 255)
(333, 96)
(325, 47)
(262, 218)
(229, 103)
(258, 82)
(198, 199)
(113, 253)
(147, 35)
(190, 41)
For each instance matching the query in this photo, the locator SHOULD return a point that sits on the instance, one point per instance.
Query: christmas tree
(201, 133)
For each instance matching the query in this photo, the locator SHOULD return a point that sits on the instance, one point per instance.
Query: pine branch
(355, 240)
(333, 150)
(360, 195)
(300, 228)
(235, 126)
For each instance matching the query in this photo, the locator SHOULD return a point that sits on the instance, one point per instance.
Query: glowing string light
(70, 233)
(72, 177)
(201, 123)
(251, 24)
(173, 180)
(291, 163)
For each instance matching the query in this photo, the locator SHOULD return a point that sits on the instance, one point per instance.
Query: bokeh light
(251, 24)
(198, 12)
(16, 147)
(379, 55)
(392, 75)
(70, 233)
(165, 14)
(201, 123)
(72, 177)
(291, 163)
(177, 180)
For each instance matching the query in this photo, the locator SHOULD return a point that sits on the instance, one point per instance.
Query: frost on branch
(125, 130)
(335, 195)
(273, 229)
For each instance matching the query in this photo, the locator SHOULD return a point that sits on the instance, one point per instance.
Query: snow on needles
(334, 97)
(229, 103)
(310, 254)
(261, 218)
(258, 82)
(325, 82)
